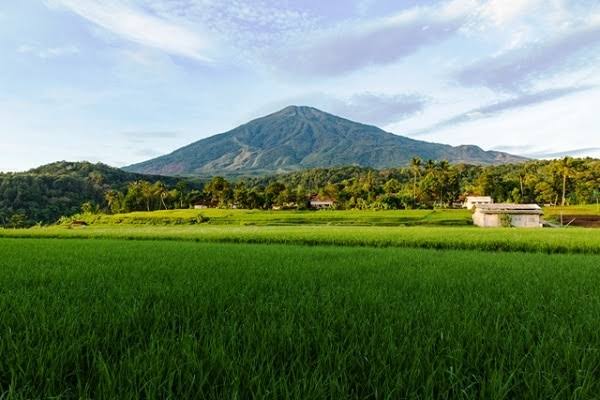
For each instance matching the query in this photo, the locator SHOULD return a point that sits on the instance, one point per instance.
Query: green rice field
(566, 240)
(298, 305)
(108, 319)
(214, 216)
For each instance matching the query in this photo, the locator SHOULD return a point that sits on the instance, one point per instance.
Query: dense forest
(45, 194)
(423, 184)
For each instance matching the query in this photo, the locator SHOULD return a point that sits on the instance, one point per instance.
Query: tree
(147, 191)
(160, 192)
(240, 196)
(88, 208)
(331, 190)
(18, 220)
(113, 200)
(272, 192)
(566, 167)
(301, 198)
(183, 189)
(218, 191)
(415, 167)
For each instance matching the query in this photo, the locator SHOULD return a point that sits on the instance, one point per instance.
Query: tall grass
(568, 240)
(112, 319)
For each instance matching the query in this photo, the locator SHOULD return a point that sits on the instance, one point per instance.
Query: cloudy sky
(121, 81)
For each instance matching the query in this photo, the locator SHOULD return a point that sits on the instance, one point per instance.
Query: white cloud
(352, 46)
(506, 105)
(501, 12)
(519, 68)
(58, 51)
(246, 26)
(139, 26)
(547, 128)
(50, 52)
(25, 48)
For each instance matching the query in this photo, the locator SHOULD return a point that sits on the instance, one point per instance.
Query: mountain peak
(298, 137)
(298, 110)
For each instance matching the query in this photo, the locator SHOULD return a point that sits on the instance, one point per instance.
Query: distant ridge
(303, 137)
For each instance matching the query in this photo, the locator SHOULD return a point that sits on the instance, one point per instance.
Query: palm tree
(522, 175)
(161, 192)
(112, 199)
(566, 167)
(147, 192)
(415, 166)
(444, 168)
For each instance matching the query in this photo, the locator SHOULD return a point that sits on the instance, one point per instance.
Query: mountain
(304, 137)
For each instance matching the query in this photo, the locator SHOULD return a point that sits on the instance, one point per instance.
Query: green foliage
(61, 189)
(114, 319)
(423, 185)
(506, 220)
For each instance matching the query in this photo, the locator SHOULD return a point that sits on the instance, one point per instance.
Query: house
(473, 201)
(517, 215)
(200, 207)
(319, 203)
(285, 206)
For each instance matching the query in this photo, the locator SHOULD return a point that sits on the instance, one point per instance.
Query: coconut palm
(566, 168)
(415, 166)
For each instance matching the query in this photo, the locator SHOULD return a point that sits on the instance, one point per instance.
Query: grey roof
(509, 209)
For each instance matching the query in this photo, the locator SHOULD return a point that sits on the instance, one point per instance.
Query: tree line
(422, 184)
(43, 196)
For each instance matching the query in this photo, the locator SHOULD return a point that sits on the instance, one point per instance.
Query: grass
(568, 240)
(584, 210)
(263, 218)
(110, 319)
(438, 217)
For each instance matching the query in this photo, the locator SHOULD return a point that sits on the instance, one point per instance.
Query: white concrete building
(517, 215)
(473, 201)
(320, 203)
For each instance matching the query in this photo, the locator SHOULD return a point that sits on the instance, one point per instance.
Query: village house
(319, 203)
(473, 201)
(200, 207)
(285, 206)
(517, 215)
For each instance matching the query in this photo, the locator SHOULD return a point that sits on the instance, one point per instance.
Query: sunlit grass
(258, 217)
(173, 319)
(567, 240)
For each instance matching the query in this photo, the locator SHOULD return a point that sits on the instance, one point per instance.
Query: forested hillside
(44, 194)
(62, 189)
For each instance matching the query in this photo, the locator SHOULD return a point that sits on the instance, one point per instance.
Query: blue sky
(121, 81)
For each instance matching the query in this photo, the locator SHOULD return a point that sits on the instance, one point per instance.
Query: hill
(46, 193)
(303, 137)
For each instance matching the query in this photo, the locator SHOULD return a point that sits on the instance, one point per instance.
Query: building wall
(526, 221)
(486, 220)
(495, 221)
(469, 204)
(492, 221)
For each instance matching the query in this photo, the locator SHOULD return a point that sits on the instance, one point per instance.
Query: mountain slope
(304, 137)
